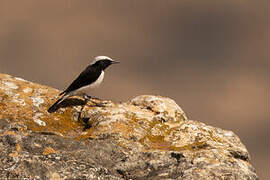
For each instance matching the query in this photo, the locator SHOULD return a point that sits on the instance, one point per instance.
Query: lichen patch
(27, 90)
(10, 85)
(37, 119)
(37, 101)
(19, 101)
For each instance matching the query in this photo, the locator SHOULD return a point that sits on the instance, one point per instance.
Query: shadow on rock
(69, 102)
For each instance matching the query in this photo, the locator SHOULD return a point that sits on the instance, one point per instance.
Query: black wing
(88, 76)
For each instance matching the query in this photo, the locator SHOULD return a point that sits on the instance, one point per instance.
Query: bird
(90, 78)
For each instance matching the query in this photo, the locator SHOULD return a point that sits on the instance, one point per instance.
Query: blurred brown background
(211, 57)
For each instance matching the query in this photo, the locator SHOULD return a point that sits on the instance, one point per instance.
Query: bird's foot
(87, 97)
(84, 120)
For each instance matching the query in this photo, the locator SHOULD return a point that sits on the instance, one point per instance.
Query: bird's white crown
(98, 58)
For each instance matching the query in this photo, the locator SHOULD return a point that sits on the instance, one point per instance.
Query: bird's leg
(80, 113)
(88, 98)
(85, 120)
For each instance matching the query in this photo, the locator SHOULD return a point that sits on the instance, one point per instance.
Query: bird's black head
(103, 62)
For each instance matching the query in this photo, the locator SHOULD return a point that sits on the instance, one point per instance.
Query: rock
(148, 137)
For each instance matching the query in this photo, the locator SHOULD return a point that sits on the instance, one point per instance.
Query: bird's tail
(54, 107)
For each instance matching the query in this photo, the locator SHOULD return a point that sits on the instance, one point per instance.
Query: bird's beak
(115, 62)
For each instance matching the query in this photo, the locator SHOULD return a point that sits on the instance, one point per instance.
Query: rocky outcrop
(148, 137)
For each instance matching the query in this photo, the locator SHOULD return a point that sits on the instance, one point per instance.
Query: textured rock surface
(148, 137)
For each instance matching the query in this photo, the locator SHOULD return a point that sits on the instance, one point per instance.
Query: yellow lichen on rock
(18, 148)
(28, 102)
(48, 150)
